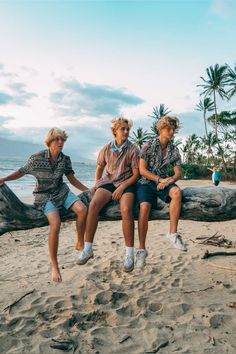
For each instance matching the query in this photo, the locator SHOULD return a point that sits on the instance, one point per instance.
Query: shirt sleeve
(68, 166)
(135, 155)
(28, 167)
(177, 157)
(102, 160)
(144, 152)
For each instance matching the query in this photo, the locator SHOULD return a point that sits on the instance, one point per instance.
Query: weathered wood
(200, 204)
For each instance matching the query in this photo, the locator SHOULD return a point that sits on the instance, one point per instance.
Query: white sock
(172, 234)
(140, 249)
(88, 246)
(129, 251)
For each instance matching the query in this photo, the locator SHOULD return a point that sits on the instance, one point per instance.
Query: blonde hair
(167, 121)
(53, 134)
(118, 121)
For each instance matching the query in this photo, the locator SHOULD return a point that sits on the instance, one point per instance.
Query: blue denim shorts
(69, 201)
(149, 193)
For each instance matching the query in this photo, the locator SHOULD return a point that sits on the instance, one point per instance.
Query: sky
(78, 64)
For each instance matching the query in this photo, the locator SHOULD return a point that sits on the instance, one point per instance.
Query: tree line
(218, 144)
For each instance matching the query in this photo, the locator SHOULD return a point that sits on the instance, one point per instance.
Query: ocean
(24, 186)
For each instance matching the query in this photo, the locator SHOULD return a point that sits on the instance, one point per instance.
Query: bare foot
(56, 275)
(79, 246)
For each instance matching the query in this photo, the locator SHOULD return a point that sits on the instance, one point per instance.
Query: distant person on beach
(51, 193)
(216, 174)
(119, 159)
(156, 158)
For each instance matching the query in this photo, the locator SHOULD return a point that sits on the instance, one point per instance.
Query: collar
(114, 147)
(47, 155)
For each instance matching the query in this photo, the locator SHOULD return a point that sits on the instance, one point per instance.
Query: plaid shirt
(118, 164)
(50, 185)
(151, 153)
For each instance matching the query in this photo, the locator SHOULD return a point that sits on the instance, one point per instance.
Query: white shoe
(84, 256)
(128, 263)
(141, 258)
(177, 241)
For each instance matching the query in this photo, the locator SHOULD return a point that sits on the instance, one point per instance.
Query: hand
(161, 186)
(117, 194)
(92, 189)
(2, 181)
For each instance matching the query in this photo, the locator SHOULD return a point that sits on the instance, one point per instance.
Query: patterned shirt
(118, 164)
(158, 165)
(50, 185)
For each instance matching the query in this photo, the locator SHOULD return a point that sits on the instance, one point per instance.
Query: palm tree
(231, 80)
(205, 105)
(210, 142)
(190, 148)
(157, 113)
(140, 137)
(215, 84)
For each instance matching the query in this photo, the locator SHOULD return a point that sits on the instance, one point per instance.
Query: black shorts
(111, 188)
(149, 193)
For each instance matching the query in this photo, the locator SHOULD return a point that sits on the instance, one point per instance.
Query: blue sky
(77, 64)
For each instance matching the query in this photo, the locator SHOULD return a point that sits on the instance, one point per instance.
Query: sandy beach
(179, 303)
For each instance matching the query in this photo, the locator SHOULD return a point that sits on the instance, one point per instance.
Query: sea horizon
(23, 187)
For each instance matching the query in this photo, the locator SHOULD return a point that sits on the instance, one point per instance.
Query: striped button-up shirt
(119, 163)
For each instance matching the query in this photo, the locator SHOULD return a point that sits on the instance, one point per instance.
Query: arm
(210, 169)
(116, 195)
(164, 182)
(13, 176)
(146, 173)
(76, 183)
(99, 172)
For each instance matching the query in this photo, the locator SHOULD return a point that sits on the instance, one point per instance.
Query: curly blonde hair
(167, 121)
(118, 121)
(53, 134)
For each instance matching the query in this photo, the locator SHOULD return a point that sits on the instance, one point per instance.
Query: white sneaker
(84, 256)
(177, 241)
(141, 258)
(128, 263)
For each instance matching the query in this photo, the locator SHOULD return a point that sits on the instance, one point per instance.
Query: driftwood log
(199, 204)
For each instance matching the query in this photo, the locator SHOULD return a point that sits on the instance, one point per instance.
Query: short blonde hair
(118, 121)
(53, 134)
(167, 121)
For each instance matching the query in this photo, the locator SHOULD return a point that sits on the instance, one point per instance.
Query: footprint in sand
(155, 307)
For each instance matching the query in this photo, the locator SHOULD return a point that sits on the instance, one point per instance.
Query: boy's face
(122, 133)
(167, 132)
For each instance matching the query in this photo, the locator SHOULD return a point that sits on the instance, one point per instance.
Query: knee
(144, 211)
(126, 212)
(95, 206)
(176, 194)
(81, 210)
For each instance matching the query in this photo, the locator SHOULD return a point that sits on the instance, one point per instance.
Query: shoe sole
(128, 270)
(79, 262)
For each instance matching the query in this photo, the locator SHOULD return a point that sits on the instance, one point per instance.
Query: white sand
(178, 299)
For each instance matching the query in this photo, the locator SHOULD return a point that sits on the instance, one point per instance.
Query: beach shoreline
(179, 301)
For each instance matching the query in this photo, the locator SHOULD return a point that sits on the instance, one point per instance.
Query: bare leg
(144, 212)
(100, 199)
(53, 239)
(126, 208)
(175, 208)
(81, 213)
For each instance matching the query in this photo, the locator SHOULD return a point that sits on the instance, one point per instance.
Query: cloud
(221, 8)
(17, 95)
(77, 99)
(5, 98)
(21, 96)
